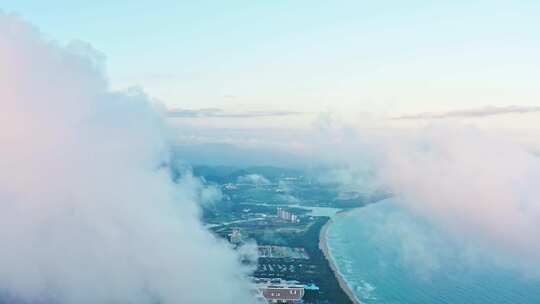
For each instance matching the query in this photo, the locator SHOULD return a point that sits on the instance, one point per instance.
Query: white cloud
(479, 189)
(477, 185)
(255, 179)
(88, 209)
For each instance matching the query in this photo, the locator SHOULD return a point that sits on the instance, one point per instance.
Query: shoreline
(323, 245)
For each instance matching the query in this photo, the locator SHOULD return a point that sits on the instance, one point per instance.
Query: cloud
(479, 188)
(88, 208)
(220, 113)
(204, 193)
(255, 179)
(472, 113)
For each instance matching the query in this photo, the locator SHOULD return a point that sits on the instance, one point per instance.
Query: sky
(386, 58)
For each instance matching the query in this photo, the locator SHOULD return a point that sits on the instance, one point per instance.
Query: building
(279, 291)
(285, 295)
(287, 216)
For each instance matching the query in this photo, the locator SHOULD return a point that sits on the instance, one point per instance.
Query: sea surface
(388, 255)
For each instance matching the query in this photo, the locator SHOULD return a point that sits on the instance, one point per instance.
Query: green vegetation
(315, 270)
(248, 211)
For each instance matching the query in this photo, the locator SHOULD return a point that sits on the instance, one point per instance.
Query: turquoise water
(387, 255)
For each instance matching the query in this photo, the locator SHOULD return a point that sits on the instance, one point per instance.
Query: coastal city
(284, 213)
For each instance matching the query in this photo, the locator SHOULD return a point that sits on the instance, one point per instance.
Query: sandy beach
(323, 245)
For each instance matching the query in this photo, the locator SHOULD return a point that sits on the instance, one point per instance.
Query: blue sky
(383, 57)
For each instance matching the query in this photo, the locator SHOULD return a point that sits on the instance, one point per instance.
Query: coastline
(323, 245)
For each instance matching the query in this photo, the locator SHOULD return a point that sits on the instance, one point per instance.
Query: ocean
(387, 255)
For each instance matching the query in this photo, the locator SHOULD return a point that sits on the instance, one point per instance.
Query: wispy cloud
(220, 113)
(475, 112)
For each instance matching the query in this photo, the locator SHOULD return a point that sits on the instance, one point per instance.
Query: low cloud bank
(255, 179)
(88, 207)
(472, 113)
(479, 187)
